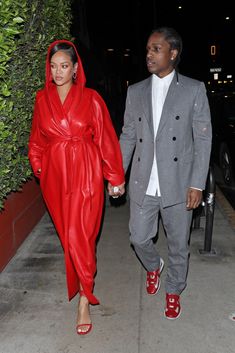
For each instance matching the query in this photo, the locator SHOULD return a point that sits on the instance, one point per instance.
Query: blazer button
(174, 138)
(139, 119)
(177, 117)
(175, 159)
(138, 159)
(141, 140)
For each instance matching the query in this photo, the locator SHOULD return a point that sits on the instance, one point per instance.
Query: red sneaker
(153, 279)
(173, 309)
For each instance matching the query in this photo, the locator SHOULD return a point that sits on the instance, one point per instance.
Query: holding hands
(117, 190)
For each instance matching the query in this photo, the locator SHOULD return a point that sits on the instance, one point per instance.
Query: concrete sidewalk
(36, 316)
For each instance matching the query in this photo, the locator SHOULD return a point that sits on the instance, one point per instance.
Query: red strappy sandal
(79, 329)
(80, 326)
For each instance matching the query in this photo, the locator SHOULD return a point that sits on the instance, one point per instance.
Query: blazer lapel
(147, 104)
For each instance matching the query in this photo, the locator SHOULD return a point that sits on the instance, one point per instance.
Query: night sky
(127, 23)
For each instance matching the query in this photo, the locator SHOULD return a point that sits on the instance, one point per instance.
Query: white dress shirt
(159, 91)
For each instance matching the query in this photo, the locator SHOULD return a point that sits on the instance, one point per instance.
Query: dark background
(125, 25)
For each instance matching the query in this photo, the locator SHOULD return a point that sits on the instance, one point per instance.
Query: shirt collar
(165, 80)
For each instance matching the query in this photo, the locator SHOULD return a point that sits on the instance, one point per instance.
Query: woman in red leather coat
(72, 148)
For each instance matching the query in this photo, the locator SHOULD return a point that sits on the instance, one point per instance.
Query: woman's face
(62, 68)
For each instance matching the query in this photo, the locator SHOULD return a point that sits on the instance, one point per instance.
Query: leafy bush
(27, 27)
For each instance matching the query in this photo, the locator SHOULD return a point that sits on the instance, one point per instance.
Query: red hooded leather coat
(75, 146)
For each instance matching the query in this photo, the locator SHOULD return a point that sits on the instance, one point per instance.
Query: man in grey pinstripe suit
(167, 130)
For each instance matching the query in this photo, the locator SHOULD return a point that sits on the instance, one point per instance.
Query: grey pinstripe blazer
(183, 141)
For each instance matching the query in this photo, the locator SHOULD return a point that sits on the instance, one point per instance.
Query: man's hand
(117, 190)
(194, 198)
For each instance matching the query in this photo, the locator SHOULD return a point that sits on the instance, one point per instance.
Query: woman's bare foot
(84, 324)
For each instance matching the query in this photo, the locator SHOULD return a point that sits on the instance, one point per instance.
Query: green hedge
(26, 30)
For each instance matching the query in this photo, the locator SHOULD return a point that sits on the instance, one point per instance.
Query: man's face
(159, 57)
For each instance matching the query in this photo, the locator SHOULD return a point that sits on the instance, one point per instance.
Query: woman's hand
(117, 190)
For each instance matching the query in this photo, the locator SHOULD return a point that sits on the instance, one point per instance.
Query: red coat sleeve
(106, 139)
(36, 140)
